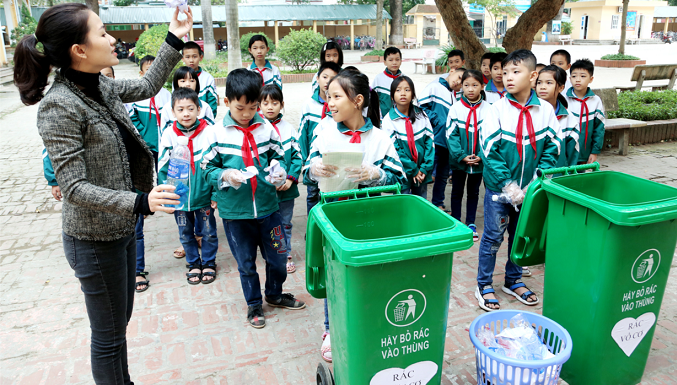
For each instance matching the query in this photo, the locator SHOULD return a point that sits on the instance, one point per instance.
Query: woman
(99, 160)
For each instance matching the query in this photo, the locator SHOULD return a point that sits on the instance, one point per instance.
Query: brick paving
(182, 334)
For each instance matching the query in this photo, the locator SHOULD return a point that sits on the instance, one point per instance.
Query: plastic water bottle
(179, 171)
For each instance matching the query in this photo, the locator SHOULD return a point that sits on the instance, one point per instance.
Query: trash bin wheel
(324, 376)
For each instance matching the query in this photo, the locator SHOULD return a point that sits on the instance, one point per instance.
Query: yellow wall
(416, 30)
(600, 15)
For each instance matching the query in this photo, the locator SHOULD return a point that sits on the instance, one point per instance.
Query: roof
(665, 12)
(157, 15)
(423, 8)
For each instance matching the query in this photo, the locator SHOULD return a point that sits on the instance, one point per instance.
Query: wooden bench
(565, 39)
(411, 42)
(610, 101)
(429, 58)
(652, 72)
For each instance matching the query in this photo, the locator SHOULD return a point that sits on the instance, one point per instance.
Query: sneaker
(526, 272)
(475, 236)
(286, 301)
(255, 316)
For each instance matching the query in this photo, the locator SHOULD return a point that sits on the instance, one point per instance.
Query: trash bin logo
(405, 307)
(645, 266)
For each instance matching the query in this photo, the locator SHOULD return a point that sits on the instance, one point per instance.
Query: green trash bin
(607, 240)
(384, 264)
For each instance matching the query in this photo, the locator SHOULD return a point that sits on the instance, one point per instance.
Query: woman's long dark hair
(560, 77)
(477, 75)
(356, 83)
(181, 73)
(59, 28)
(414, 112)
(331, 45)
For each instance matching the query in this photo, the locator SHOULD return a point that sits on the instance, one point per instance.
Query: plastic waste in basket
(608, 239)
(384, 264)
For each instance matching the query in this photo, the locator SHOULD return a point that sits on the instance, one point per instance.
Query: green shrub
(295, 72)
(244, 44)
(300, 49)
(567, 27)
(150, 41)
(646, 105)
(618, 56)
(442, 59)
(495, 49)
(376, 52)
(26, 27)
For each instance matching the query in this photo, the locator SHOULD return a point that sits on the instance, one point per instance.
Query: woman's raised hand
(181, 27)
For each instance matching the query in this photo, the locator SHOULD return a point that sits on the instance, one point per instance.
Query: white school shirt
(167, 116)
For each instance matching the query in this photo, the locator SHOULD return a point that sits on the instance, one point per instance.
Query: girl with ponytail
(99, 159)
(549, 86)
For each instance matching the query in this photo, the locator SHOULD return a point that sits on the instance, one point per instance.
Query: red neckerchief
(195, 133)
(261, 73)
(410, 138)
(495, 89)
(473, 112)
(560, 117)
(249, 145)
(524, 112)
(485, 79)
(355, 136)
(325, 109)
(199, 71)
(584, 106)
(388, 74)
(150, 112)
(274, 123)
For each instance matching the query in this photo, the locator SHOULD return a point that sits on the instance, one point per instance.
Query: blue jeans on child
(497, 218)
(421, 190)
(458, 182)
(140, 248)
(210, 243)
(441, 175)
(313, 196)
(287, 212)
(244, 236)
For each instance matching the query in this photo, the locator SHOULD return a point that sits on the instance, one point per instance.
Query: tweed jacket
(88, 154)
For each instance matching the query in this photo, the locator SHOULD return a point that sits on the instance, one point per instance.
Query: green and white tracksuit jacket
(292, 157)
(379, 149)
(502, 162)
(167, 117)
(48, 169)
(208, 89)
(311, 116)
(589, 113)
(381, 84)
(569, 125)
(200, 193)
(270, 73)
(464, 141)
(394, 124)
(226, 150)
(145, 116)
(436, 100)
(492, 93)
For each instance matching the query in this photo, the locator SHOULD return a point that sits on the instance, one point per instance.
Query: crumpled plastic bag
(182, 4)
(277, 176)
(520, 342)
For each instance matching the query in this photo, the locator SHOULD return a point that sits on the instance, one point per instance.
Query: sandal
(325, 350)
(142, 283)
(291, 267)
(189, 275)
(212, 274)
(510, 288)
(526, 272)
(179, 252)
(483, 302)
(199, 241)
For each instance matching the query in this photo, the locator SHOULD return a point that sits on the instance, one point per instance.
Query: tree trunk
(379, 25)
(208, 30)
(548, 28)
(462, 34)
(93, 5)
(233, 28)
(521, 36)
(397, 30)
(624, 27)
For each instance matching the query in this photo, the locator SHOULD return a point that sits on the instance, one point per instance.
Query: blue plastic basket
(495, 369)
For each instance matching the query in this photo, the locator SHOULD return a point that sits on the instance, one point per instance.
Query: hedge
(646, 105)
(618, 56)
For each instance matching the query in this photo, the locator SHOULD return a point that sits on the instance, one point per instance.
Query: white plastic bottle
(179, 171)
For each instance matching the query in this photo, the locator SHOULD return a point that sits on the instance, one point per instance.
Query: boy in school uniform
(436, 100)
(248, 204)
(382, 81)
(258, 49)
(145, 114)
(524, 136)
(313, 112)
(588, 109)
(486, 66)
(192, 56)
(199, 207)
(495, 89)
(562, 59)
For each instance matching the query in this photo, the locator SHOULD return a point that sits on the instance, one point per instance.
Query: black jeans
(106, 272)
(458, 182)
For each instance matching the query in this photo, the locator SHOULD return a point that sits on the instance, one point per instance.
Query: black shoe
(255, 316)
(286, 301)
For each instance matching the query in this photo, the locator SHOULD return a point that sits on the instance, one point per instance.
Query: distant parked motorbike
(667, 39)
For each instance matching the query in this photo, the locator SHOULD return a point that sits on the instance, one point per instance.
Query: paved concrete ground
(182, 334)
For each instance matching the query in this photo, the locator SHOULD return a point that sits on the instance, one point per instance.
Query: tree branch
(521, 35)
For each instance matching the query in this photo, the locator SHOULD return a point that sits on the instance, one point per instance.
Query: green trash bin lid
(528, 247)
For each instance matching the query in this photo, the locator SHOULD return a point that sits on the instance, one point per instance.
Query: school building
(599, 21)
(665, 19)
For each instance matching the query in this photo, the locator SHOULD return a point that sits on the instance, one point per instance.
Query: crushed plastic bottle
(179, 171)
